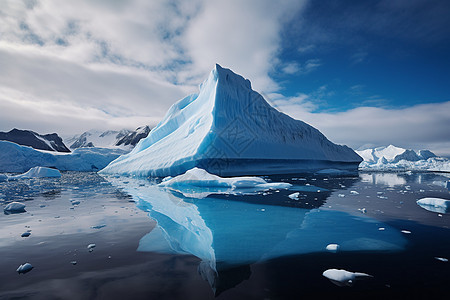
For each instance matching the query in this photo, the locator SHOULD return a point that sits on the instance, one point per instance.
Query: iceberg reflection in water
(228, 235)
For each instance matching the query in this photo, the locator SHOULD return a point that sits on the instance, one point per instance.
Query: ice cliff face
(229, 129)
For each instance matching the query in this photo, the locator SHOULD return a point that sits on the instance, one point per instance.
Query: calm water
(202, 244)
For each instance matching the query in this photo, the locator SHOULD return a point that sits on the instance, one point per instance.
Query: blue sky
(376, 53)
(365, 73)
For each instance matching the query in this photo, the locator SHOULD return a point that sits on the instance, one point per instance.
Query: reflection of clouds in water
(389, 179)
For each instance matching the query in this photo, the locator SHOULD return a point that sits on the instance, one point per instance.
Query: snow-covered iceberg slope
(393, 158)
(17, 158)
(229, 129)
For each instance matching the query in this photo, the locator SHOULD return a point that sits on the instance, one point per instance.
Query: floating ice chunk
(363, 210)
(442, 259)
(91, 247)
(98, 226)
(75, 202)
(294, 196)
(343, 277)
(435, 204)
(37, 172)
(73, 262)
(341, 195)
(199, 183)
(381, 229)
(332, 247)
(406, 231)
(25, 268)
(354, 193)
(15, 207)
(26, 234)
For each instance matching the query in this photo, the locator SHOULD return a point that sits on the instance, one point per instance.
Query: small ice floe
(73, 262)
(437, 205)
(354, 193)
(406, 231)
(25, 268)
(343, 277)
(380, 193)
(198, 183)
(98, 226)
(381, 229)
(25, 234)
(332, 248)
(363, 210)
(37, 172)
(294, 196)
(91, 247)
(14, 207)
(442, 259)
(75, 202)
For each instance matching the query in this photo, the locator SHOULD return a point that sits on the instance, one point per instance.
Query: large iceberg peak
(230, 129)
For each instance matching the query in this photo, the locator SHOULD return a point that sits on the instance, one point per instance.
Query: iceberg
(197, 183)
(37, 172)
(18, 158)
(14, 207)
(392, 158)
(229, 129)
(343, 277)
(437, 205)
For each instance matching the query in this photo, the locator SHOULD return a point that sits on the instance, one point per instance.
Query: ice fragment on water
(435, 204)
(406, 231)
(91, 247)
(98, 226)
(354, 193)
(343, 277)
(332, 247)
(294, 196)
(15, 207)
(25, 268)
(442, 259)
(26, 234)
(341, 195)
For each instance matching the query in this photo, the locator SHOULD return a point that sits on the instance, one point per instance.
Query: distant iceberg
(392, 158)
(37, 172)
(17, 158)
(229, 129)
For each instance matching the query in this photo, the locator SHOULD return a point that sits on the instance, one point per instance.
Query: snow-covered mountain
(229, 129)
(396, 158)
(49, 142)
(133, 137)
(124, 139)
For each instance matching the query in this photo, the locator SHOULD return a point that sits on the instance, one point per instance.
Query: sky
(365, 73)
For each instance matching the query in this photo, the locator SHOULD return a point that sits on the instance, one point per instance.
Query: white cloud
(103, 62)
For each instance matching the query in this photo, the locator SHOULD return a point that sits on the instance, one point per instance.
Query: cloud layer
(69, 66)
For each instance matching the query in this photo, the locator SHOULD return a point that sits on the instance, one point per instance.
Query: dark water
(177, 244)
